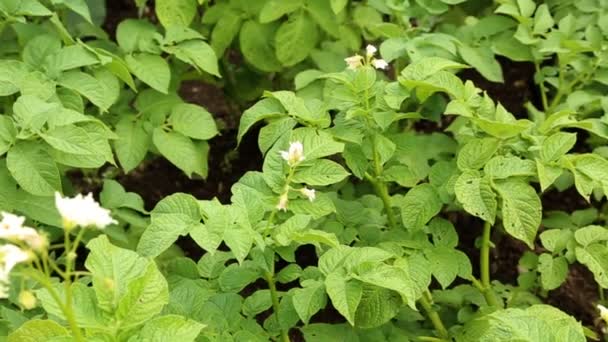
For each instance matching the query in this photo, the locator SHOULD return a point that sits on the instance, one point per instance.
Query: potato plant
(389, 180)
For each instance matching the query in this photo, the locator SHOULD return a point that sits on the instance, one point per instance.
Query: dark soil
(157, 178)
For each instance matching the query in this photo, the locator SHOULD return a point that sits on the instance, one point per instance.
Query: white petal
(83, 211)
(370, 50)
(380, 64)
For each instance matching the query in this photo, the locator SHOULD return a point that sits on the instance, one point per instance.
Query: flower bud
(283, 202)
(27, 299)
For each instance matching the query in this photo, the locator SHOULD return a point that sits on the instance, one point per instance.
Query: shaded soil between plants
(157, 178)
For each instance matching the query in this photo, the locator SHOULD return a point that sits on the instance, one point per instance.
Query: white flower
(354, 62)
(10, 256)
(82, 211)
(12, 229)
(370, 50)
(295, 154)
(283, 202)
(603, 312)
(308, 193)
(379, 64)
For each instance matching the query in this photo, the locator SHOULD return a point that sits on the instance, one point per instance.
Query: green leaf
(501, 167)
(557, 145)
(258, 302)
(187, 155)
(321, 12)
(289, 273)
(590, 234)
(173, 216)
(317, 143)
(144, 298)
(443, 232)
(345, 295)
(86, 308)
(11, 72)
(196, 53)
(38, 330)
(256, 46)
(193, 121)
(338, 5)
(170, 328)
(521, 209)
(175, 12)
(543, 20)
(310, 299)
(419, 206)
(595, 257)
(476, 195)
(88, 86)
(377, 307)
(71, 57)
(151, 69)
(448, 263)
(311, 111)
(113, 196)
(132, 144)
(39, 48)
(33, 169)
(275, 9)
(322, 172)
(483, 60)
(295, 39)
(263, 109)
(137, 35)
(476, 153)
(70, 139)
(426, 67)
(547, 174)
(114, 269)
(535, 323)
(30, 112)
(225, 31)
(553, 271)
(234, 278)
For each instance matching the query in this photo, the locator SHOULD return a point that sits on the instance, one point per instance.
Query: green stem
(69, 310)
(601, 293)
(485, 265)
(485, 255)
(543, 90)
(274, 295)
(382, 192)
(427, 304)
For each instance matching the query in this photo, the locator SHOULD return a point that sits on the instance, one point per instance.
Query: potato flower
(308, 193)
(356, 61)
(295, 154)
(10, 256)
(12, 229)
(82, 211)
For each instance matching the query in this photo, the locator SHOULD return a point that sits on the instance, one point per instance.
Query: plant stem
(68, 309)
(485, 266)
(427, 304)
(601, 293)
(543, 90)
(382, 192)
(275, 303)
(485, 255)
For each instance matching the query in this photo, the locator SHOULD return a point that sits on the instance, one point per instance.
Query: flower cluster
(357, 61)
(82, 211)
(21, 237)
(293, 156)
